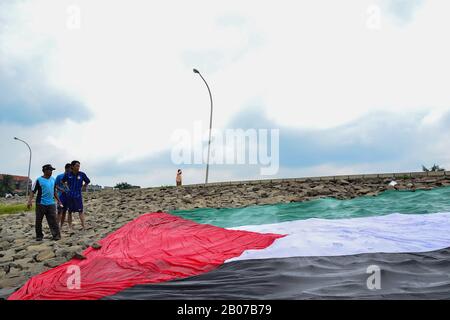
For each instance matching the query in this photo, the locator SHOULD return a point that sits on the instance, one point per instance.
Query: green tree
(125, 185)
(6, 185)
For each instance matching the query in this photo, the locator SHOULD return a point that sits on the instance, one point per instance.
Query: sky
(352, 86)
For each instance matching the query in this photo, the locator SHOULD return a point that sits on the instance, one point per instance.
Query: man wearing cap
(44, 186)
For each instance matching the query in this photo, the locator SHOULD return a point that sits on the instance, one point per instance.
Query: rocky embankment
(22, 257)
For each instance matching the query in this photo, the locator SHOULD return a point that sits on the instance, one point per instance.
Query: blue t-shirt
(45, 189)
(59, 184)
(75, 183)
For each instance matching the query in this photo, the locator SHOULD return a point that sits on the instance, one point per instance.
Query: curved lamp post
(210, 123)
(29, 163)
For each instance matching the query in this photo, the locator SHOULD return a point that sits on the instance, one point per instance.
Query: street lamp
(210, 123)
(29, 163)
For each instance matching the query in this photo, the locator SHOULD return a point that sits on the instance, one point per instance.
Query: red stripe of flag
(153, 248)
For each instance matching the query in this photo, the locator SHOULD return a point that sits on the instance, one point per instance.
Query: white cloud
(311, 64)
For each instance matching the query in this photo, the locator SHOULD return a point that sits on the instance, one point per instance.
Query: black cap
(47, 167)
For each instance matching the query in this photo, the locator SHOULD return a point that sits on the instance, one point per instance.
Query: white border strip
(391, 233)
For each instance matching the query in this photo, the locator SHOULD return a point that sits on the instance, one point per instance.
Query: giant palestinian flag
(319, 249)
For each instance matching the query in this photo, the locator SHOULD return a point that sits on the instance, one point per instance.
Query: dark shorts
(63, 199)
(75, 204)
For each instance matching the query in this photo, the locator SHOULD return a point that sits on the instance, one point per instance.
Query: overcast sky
(354, 86)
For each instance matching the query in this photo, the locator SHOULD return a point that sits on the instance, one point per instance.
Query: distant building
(107, 188)
(19, 183)
(94, 187)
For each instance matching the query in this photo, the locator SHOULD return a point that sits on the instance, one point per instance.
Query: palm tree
(434, 168)
(437, 168)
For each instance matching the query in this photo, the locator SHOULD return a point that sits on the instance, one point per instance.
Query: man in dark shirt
(62, 209)
(73, 181)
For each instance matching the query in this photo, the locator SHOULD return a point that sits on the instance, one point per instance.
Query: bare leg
(69, 220)
(62, 218)
(82, 219)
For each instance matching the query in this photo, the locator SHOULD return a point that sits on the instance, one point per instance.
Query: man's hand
(66, 187)
(84, 188)
(29, 205)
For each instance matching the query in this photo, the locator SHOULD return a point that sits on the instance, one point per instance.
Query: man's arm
(33, 190)
(30, 200)
(64, 182)
(66, 186)
(86, 182)
(59, 182)
(55, 194)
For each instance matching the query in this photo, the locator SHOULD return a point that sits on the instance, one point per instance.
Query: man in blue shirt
(62, 209)
(44, 186)
(74, 182)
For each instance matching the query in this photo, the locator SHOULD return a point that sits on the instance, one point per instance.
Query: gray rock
(38, 248)
(312, 193)
(20, 248)
(52, 263)
(8, 258)
(12, 282)
(71, 250)
(21, 254)
(22, 263)
(96, 245)
(45, 255)
(78, 256)
(5, 267)
(364, 190)
(20, 241)
(6, 292)
(4, 245)
(36, 268)
(8, 238)
(63, 252)
(13, 272)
